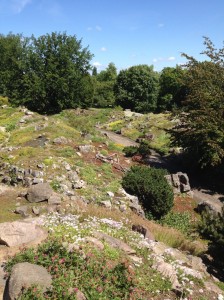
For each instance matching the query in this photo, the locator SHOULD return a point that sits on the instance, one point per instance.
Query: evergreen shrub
(152, 189)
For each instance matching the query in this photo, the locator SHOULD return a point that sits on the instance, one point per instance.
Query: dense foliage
(104, 86)
(201, 130)
(137, 88)
(212, 228)
(49, 73)
(151, 187)
(171, 88)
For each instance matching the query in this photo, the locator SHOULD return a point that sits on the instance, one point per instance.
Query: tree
(109, 74)
(171, 88)
(201, 129)
(94, 71)
(137, 88)
(12, 60)
(151, 187)
(58, 69)
(104, 87)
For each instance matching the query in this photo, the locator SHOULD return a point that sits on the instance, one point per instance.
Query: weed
(55, 185)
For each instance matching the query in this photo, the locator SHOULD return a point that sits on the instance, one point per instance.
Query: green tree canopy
(12, 56)
(48, 73)
(104, 87)
(201, 131)
(171, 88)
(137, 88)
(58, 69)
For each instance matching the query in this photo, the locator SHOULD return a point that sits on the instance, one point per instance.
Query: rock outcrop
(26, 275)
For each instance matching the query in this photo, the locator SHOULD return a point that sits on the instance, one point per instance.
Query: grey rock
(115, 243)
(27, 181)
(54, 199)
(52, 208)
(28, 113)
(123, 207)
(39, 192)
(19, 177)
(26, 274)
(176, 181)
(67, 167)
(60, 141)
(110, 194)
(137, 209)
(22, 210)
(37, 180)
(86, 148)
(73, 176)
(20, 232)
(36, 210)
(106, 204)
(78, 184)
(40, 166)
(6, 179)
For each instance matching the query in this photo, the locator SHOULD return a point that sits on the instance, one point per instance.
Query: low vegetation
(152, 189)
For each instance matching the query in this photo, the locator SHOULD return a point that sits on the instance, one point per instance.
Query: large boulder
(19, 233)
(39, 192)
(26, 275)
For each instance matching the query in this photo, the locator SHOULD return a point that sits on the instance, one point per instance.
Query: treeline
(53, 72)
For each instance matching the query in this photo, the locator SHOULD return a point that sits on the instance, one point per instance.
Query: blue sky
(125, 32)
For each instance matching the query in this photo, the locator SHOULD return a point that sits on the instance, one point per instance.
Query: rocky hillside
(67, 228)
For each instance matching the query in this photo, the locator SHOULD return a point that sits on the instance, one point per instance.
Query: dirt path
(118, 139)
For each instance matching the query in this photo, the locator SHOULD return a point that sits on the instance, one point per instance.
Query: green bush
(142, 149)
(212, 227)
(130, 151)
(151, 187)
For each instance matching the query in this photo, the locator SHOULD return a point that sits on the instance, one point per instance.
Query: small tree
(151, 187)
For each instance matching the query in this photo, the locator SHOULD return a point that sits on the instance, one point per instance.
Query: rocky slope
(60, 177)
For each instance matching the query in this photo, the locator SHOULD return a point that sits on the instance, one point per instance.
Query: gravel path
(118, 139)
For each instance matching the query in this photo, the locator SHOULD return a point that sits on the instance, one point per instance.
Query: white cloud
(159, 59)
(18, 6)
(103, 49)
(155, 60)
(97, 64)
(98, 28)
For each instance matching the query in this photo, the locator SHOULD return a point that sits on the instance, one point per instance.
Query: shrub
(151, 187)
(142, 149)
(130, 151)
(212, 228)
